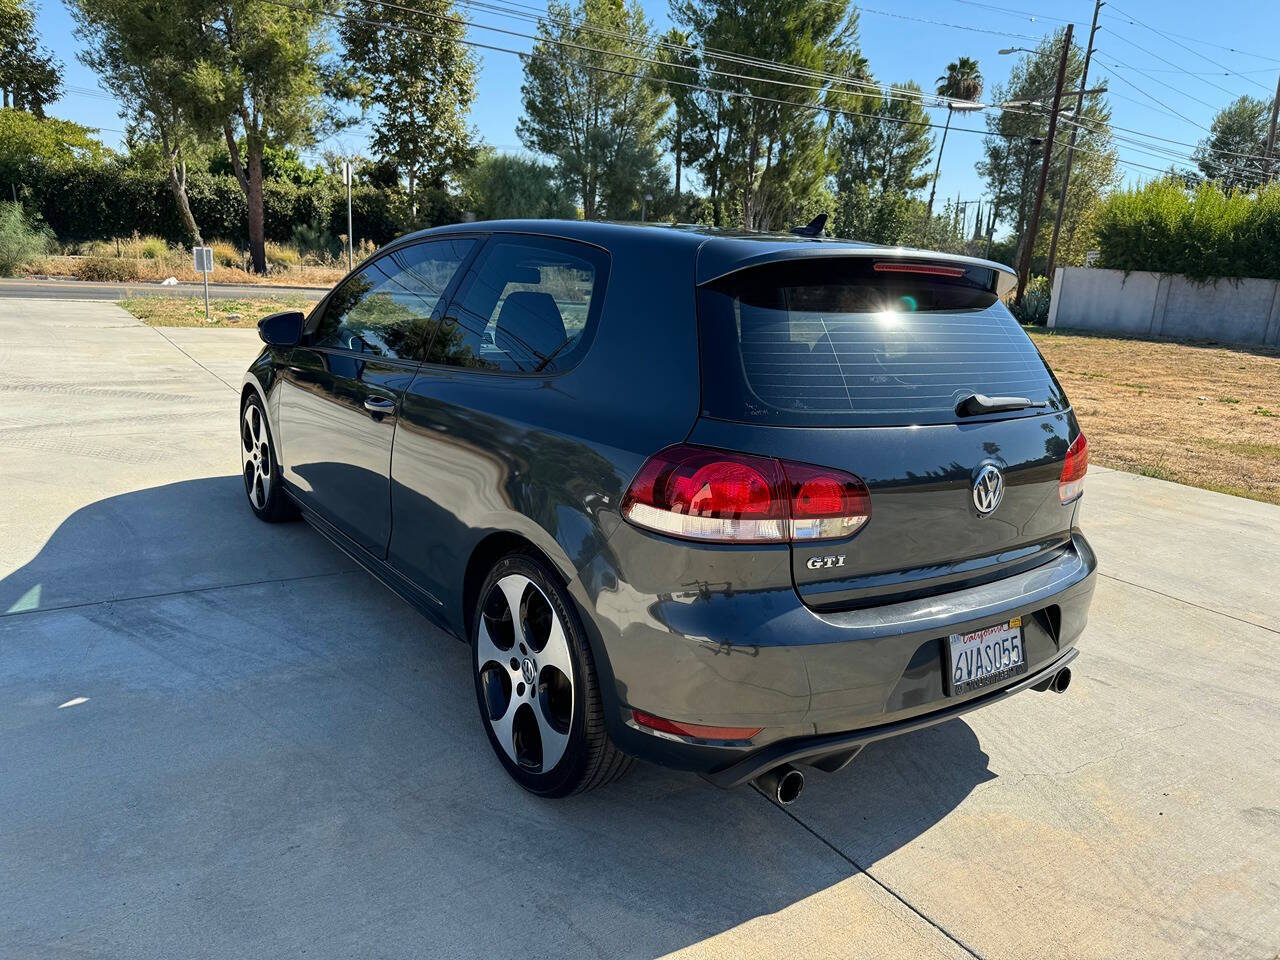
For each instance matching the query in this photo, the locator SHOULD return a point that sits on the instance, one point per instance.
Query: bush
(20, 240)
(1035, 302)
(106, 269)
(1204, 233)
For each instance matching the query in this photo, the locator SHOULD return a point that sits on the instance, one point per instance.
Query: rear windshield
(839, 342)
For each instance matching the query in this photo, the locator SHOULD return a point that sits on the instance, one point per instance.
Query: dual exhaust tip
(783, 785)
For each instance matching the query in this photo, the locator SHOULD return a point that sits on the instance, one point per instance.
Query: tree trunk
(178, 184)
(257, 216)
(938, 169)
(679, 145)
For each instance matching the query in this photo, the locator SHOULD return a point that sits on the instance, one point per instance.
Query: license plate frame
(1002, 640)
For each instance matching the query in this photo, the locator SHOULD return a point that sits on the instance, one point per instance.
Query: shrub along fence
(86, 202)
(1204, 233)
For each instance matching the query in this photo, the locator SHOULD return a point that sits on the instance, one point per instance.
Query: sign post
(348, 174)
(203, 257)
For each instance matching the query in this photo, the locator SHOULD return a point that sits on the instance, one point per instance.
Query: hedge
(1203, 233)
(88, 201)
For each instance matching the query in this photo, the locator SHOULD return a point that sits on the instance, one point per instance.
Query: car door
(341, 392)
(473, 417)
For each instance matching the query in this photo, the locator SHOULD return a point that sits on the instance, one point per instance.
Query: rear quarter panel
(548, 458)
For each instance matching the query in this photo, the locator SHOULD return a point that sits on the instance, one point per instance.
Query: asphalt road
(85, 290)
(220, 739)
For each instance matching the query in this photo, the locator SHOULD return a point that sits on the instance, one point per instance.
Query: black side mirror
(283, 329)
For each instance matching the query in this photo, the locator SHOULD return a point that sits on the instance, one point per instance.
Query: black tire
(590, 758)
(264, 490)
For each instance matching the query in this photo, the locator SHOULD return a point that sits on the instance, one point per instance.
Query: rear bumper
(722, 639)
(811, 749)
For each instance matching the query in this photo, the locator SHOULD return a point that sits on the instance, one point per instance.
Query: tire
(549, 735)
(260, 466)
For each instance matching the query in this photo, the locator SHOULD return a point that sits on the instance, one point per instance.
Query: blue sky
(914, 41)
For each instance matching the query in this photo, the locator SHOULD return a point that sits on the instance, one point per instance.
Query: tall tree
(884, 144)
(257, 78)
(962, 81)
(1013, 150)
(1232, 153)
(414, 69)
(144, 58)
(589, 103)
(773, 158)
(30, 76)
(679, 74)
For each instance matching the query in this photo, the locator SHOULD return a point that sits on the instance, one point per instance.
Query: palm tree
(962, 81)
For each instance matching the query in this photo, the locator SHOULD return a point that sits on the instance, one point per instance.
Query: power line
(1138, 46)
(1156, 100)
(1171, 38)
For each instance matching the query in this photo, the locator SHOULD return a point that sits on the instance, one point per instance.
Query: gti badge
(824, 563)
(988, 488)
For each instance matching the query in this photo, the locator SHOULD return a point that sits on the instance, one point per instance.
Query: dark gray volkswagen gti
(728, 503)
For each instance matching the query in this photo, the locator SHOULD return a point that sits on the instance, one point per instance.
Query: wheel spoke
(488, 652)
(553, 741)
(503, 726)
(556, 651)
(513, 588)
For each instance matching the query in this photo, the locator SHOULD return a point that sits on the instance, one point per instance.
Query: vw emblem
(988, 488)
(526, 669)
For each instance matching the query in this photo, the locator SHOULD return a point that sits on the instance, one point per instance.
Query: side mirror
(283, 329)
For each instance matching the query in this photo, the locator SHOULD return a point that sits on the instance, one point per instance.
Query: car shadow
(273, 750)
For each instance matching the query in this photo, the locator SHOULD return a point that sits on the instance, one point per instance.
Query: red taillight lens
(1071, 483)
(825, 503)
(709, 495)
(702, 494)
(696, 730)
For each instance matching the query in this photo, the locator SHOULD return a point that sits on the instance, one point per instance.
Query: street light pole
(1024, 268)
(1071, 147)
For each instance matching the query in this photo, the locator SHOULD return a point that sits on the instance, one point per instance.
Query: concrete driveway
(220, 739)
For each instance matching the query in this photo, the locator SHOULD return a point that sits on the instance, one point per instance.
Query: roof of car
(720, 251)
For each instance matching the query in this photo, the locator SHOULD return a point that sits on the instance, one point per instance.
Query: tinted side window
(527, 305)
(386, 308)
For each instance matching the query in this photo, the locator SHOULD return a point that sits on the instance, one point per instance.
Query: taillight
(714, 495)
(1071, 483)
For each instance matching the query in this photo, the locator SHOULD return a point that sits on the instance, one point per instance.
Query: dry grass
(189, 311)
(153, 270)
(1202, 414)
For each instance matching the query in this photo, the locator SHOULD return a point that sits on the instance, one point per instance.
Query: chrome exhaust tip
(1061, 680)
(782, 784)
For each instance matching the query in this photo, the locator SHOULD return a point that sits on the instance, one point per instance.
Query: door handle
(379, 405)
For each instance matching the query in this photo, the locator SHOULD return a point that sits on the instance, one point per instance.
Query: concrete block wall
(1161, 305)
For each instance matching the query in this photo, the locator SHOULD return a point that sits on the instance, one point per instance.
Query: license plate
(986, 656)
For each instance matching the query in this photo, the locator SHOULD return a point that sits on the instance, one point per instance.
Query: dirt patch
(1197, 413)
(189, 311)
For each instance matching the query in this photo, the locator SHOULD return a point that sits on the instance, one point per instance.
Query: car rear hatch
(870, 364)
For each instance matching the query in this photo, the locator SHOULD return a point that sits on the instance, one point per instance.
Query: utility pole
(1024, 268)
(1071, 147)
(348, 174)
(1271, 133)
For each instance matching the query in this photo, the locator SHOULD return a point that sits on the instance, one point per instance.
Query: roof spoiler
(886, 258)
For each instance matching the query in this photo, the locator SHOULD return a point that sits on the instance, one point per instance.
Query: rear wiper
(976, 403)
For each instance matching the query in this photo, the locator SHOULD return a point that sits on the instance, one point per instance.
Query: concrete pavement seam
(189, 356)
(1190, 603)
(872, 877)
(174, 593)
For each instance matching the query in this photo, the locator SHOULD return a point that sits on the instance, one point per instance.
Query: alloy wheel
(256, 454)
(526, 673)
